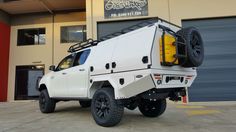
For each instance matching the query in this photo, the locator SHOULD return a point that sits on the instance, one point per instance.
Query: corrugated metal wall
(217, 76)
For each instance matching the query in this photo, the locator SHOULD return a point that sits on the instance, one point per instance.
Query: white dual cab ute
(140, 66)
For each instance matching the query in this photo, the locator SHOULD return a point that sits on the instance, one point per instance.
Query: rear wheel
(105, 109)
(46, 104)
(152, 108)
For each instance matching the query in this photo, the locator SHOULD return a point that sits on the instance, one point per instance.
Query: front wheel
(46, 104)
(152, 108)
(105, 109)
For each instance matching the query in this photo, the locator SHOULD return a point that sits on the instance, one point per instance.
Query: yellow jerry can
(170, 49)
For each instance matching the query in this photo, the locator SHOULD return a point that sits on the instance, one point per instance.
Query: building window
(73, 34)
(33, 36)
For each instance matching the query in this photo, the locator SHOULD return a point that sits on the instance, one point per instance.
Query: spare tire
(194, 46)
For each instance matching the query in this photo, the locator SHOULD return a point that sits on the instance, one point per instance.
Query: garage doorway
(27, 78)
(216, 77)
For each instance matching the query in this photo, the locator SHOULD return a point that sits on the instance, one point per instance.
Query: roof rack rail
(134, 27)
(82, 45)
(91, 42)
(129, 29)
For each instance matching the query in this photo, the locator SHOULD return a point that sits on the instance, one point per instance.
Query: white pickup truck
(140, 66)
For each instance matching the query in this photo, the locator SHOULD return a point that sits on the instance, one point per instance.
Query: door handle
(64, 73)
(81, 69)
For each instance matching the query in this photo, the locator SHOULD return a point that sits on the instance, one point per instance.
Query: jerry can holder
(180, 41)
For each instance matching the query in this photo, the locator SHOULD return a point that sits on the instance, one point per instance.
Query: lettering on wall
(125, 8)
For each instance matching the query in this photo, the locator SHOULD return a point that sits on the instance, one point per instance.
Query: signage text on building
(125, 8)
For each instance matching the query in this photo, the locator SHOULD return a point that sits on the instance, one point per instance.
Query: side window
(65, 63)
(81, 57)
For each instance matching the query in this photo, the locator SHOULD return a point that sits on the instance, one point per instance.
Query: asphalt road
(70, 117)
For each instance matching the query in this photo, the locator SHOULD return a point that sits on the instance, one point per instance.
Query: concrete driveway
(70, 117)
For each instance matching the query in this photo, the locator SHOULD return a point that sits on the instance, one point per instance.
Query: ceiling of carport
(32, 6)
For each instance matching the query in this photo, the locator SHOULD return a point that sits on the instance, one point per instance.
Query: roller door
(217, 76)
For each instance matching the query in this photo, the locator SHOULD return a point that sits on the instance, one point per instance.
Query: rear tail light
(189, 77)
(158, 77)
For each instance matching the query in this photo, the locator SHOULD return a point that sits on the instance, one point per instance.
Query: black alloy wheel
(194, 45)
(106, 110)
(151, 108)
(46, 104)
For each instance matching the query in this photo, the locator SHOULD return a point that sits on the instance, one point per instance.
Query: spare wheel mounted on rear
(194, 45)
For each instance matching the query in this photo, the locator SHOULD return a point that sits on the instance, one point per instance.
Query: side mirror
(52, 68)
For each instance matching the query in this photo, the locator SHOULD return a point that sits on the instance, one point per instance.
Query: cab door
(78, 76)
(58, 79)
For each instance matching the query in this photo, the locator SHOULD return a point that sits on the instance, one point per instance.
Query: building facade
(35, 38)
